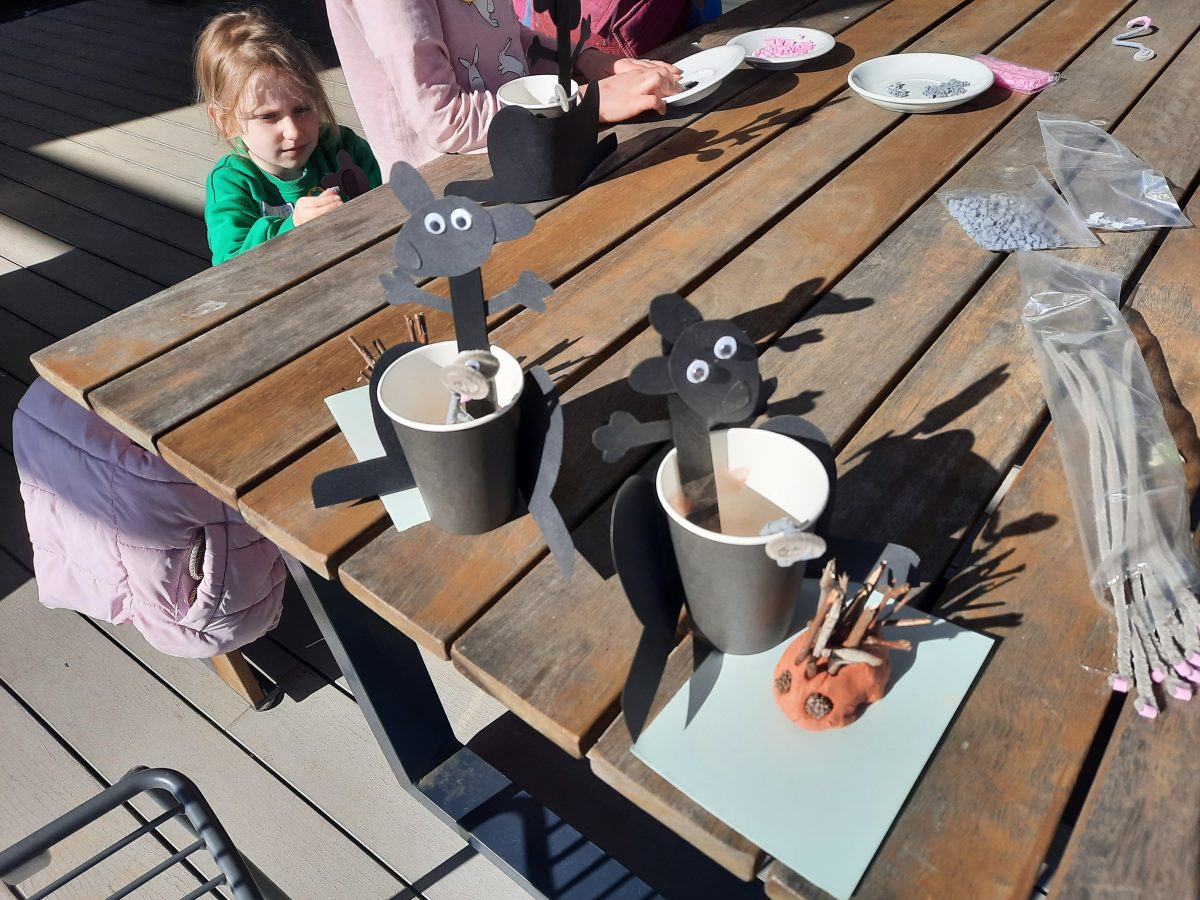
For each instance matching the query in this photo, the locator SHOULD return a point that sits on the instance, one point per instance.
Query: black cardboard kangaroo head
(453, 235)
(711, 365)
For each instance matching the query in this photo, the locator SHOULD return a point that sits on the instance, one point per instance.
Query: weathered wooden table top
(788, 203)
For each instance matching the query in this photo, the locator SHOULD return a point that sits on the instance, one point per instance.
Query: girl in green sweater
(265, 99)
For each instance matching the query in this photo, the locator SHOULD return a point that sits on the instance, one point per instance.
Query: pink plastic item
(1016, 77)
(776, 47)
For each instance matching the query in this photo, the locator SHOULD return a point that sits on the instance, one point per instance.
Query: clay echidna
(839, 664)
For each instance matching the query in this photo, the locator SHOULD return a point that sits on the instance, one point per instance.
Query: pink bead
(1158, 676)
(1147, 711)
(1183, 669)
(1119, 684)
(1181, 692)
(1194, 658)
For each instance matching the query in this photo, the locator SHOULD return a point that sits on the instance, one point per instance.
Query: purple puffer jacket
(117, 534)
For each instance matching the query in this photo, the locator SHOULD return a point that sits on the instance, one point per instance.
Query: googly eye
(725, 347)
(697, 371)
(434, 223)
(460, 219)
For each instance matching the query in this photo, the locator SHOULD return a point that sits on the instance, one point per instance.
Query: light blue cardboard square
(742, 759)
(352, 411)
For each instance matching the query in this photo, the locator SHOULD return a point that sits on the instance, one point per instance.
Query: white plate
(917, 71)
(753, 40)
(707, 68)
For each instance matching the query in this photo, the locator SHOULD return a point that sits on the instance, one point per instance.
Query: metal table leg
(528, 842)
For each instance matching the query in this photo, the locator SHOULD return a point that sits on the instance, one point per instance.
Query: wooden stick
(907, 623)
(865, 620)
(810, 632)
(872, 641)
(362, 351)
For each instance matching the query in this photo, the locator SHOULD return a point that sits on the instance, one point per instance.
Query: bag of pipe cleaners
(1124, 473)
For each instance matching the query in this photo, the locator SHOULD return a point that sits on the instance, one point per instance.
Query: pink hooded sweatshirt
(117, 534)
(423, 73)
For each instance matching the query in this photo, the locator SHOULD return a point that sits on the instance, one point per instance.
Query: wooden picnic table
(807, 215)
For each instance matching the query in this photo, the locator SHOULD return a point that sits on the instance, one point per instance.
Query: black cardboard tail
(539, 159)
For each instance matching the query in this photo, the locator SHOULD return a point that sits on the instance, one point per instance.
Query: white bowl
(536, 94)
(917, 71)
(752, 41)
(707, 68)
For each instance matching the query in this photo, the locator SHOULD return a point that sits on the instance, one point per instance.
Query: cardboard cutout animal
(535, 158)
(453, 237)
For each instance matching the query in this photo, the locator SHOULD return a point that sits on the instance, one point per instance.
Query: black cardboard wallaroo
(709, 373)
(535, 158)
(472, 475)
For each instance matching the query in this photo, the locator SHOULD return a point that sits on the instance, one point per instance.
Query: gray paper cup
(467, 473)
(740, 599)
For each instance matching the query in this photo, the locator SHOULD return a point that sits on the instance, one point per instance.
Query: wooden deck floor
(102, 164)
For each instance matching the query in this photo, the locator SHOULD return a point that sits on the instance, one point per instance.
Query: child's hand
(595, 64)
(309, 208)
(631, 65)
(635, 91)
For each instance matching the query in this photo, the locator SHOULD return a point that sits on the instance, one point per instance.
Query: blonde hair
(234, 46)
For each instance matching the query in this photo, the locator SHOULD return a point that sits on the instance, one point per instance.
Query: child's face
(278, 127)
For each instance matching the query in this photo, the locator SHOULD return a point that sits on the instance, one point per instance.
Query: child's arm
(408, 41)
(234, 219)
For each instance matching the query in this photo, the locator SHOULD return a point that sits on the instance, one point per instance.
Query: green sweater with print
(244, 206)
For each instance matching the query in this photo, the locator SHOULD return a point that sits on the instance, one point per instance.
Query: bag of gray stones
(1030, 215)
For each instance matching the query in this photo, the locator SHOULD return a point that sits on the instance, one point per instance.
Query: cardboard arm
(623, 432)
(529, 291)
(357, 481)
(541, 445)
(400, 289)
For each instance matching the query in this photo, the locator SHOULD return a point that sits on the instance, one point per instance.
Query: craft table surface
(808, 215)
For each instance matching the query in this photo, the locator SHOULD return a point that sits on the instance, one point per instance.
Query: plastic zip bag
(1123, 470)
(1108, 186)
(1028, 216)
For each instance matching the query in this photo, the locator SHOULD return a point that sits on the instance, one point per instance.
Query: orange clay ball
(828, 701)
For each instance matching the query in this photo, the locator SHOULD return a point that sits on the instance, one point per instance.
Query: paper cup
(740, 599)
(536, 94)
(467, 473)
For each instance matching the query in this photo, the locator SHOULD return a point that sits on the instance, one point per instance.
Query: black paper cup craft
(467, 471)
(538, 95)
(741, 599)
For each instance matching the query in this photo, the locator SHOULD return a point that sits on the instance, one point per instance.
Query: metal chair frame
(181, 799)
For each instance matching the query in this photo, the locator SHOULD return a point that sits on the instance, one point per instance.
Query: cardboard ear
(511, 222)
(670, 315)
(409, 187)
(652, 376)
